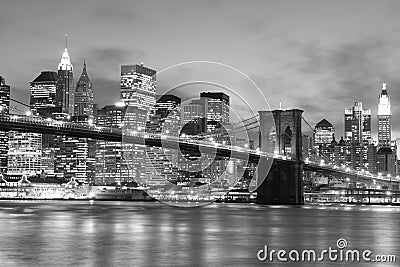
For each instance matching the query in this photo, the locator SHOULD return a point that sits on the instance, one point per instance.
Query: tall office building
(43, 93)
(4, 109)
(216, 111)
(138, 92)
(324, 132)
(25, 149)
(386, 161)
(83, 98)
(358, 134)
(357, 124)
(192, 111)
(384, 119)
(138, 86)
(43, 103)
(110, 167)
(216, 108)
(24, 154)
(65, 84)
(165, 120)
(75, 158)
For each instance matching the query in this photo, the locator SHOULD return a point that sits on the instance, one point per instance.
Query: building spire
(65, 63)
(384, 86)
(66, 41)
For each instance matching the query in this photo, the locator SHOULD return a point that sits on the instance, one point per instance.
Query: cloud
(106, 92)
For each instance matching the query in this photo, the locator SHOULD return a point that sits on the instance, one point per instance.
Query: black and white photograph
(200, 133)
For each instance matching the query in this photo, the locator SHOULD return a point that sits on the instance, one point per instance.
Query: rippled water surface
(87, 233)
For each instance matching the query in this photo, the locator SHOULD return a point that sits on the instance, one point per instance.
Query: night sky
(319, 56)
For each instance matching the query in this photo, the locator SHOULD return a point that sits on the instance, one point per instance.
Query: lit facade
(138, 92)
(192, 111)
(384, 119)
(83, 98)
(75, 158)
(4, 109)
(324, 132)
(138, 86)
(110, 167)
(357, 124)
(160, 165)
(216, 108)
(386, 161)
(24, 154)
(65, 84)
(43, 93)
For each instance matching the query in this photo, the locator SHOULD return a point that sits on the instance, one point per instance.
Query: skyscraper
(43, 93)
(164, 121)
(110, 167)
(357, 124)
(324, 132)
(384, 118)
(358, 134)
(4, 109)
(24, 155)
(25, 149)
(323, 135)
(65, 84)
(83, 98)
(216, 111)
(216, 108)
(138, 86)
(138, 92)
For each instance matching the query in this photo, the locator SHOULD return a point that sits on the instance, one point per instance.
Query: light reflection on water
(153, 234)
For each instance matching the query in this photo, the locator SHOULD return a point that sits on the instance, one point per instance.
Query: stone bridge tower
(283, 184)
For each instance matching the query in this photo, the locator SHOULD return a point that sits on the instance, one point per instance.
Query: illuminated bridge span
(282, 184)
(50, 126)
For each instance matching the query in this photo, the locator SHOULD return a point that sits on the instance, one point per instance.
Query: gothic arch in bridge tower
(283, 183)
(287, 141)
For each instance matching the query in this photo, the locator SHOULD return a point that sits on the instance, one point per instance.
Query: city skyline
(199, 133)
(334, 62)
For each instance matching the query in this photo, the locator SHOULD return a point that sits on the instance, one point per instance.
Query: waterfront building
(110, 167)
(161, 165)
(138, 92)
(24, 153)
(4, 109)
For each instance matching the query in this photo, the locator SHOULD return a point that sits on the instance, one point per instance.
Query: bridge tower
(284, 182)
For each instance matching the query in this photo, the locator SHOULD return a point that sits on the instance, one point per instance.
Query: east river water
(95, 233)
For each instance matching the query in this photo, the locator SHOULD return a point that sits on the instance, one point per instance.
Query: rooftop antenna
(280, 104)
